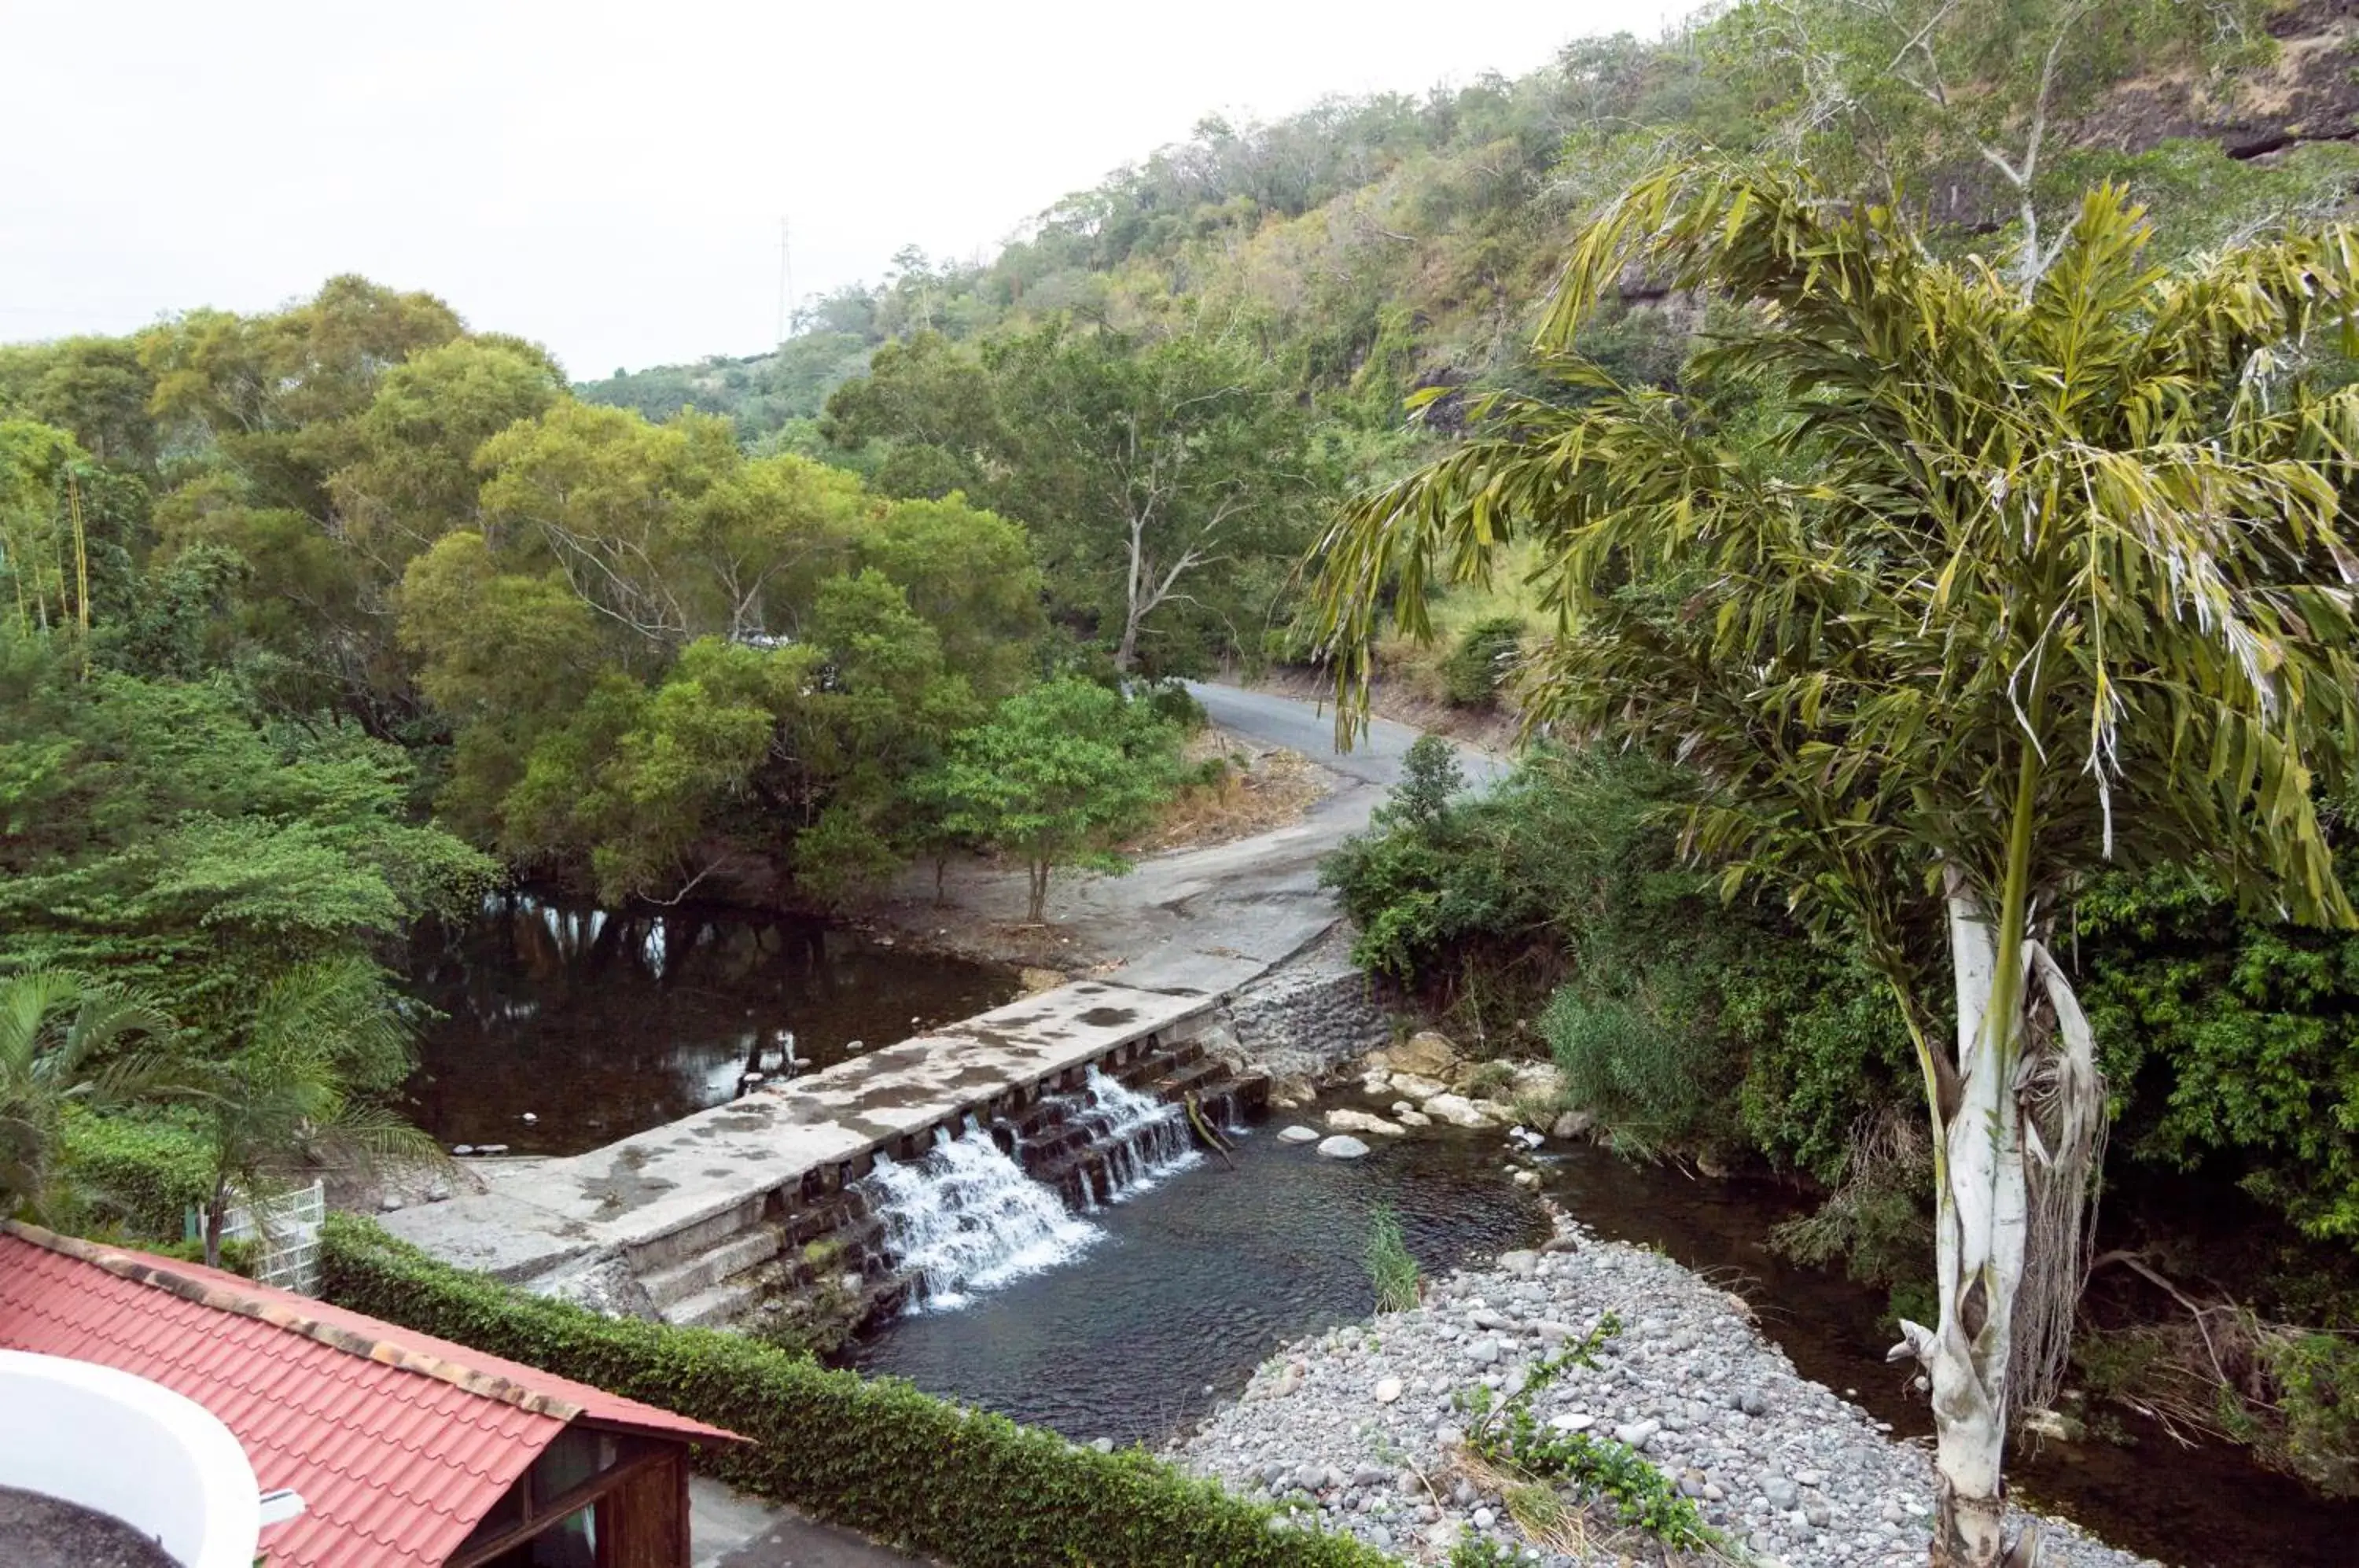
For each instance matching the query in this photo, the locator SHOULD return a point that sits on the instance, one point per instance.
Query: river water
(601, 1025)
(597, 1024)
(1195, 1279)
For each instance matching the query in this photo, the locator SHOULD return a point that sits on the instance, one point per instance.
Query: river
(598, 1025)
(563, 1026)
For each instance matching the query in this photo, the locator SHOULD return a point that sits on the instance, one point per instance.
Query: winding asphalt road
(1202, 921)
(1309, 728)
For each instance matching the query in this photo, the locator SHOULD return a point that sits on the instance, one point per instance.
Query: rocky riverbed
(1362, 1428)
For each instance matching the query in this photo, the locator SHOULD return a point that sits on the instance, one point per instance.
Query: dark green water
(599, 1024)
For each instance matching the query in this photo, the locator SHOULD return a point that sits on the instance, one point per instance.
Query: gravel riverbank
(1360, 1425)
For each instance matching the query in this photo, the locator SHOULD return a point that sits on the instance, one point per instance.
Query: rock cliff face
(2309, 93)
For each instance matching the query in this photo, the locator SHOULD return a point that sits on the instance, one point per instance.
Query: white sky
(608, 179)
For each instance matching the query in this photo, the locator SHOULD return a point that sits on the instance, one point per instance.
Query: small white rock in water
(1361, 1121)
(1387, 1390)
(1528, 1179)
(1414, 1118)
(1343, 1146)
(463, 1150)
(1291, 1135)
(528, 1117)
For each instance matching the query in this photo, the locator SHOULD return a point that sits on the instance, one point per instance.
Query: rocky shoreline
(1363, 1428)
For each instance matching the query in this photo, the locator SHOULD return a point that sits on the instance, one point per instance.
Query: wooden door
(643, 1522)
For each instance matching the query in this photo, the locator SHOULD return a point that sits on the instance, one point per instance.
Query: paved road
(730, 1529)
(1309, 728)
(1201, 921)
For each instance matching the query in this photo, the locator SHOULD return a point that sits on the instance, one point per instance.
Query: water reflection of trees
(633, 1016)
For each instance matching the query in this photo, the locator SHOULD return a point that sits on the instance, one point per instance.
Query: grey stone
(1103, 1446)
(1781, 1491)
(1637, 1434)
(1299, 1134)
(1343, 1146)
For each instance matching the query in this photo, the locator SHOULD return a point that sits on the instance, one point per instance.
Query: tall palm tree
(1950, 587)
(65, 1040)
(279, 1106)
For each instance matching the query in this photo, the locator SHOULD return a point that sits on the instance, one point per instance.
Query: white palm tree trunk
(1979, 1233)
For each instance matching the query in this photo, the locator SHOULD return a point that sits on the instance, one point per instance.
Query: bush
(1173, 703)
(143, 1172)
(237, 1257)
(1682, 1018)
(971, 1488)
(1476, 667)
(2316, 1379)
(1655, 1082)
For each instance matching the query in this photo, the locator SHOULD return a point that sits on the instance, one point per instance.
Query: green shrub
(1172, 703)
(1510, 1437)
(969, 1487)
(143, 1172)
(2316, 1379)
(1476, 667)
(1563, 893)
(2234, 1042)
(1655, 1081)
(237, 1257)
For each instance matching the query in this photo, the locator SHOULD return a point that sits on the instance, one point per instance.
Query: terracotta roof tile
(398, 1448)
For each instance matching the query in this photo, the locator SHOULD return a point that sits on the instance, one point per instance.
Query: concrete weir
(699, 1209)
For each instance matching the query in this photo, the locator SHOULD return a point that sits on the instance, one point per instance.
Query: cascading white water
(965, 1217)
(1144, 1139)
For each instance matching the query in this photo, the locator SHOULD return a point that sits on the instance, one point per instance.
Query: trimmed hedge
(971, 1489)
(149, 1169)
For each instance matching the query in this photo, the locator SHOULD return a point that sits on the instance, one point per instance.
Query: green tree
(1973, 98)
(64, 1043)
(282, 1103)
(2021, 581)
(1153, 475)
(1057, 777)
(163, 835)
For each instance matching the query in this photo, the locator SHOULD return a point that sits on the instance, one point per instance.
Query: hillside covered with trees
(318, 622)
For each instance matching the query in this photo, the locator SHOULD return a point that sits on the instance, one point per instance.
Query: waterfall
(964, 1217)
(1140, 1137)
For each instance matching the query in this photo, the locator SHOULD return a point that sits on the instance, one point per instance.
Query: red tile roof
(399, 1443)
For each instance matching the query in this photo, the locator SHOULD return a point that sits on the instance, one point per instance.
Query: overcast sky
(609, 178)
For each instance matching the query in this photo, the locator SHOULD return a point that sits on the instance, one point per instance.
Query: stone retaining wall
(1313, 1017)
